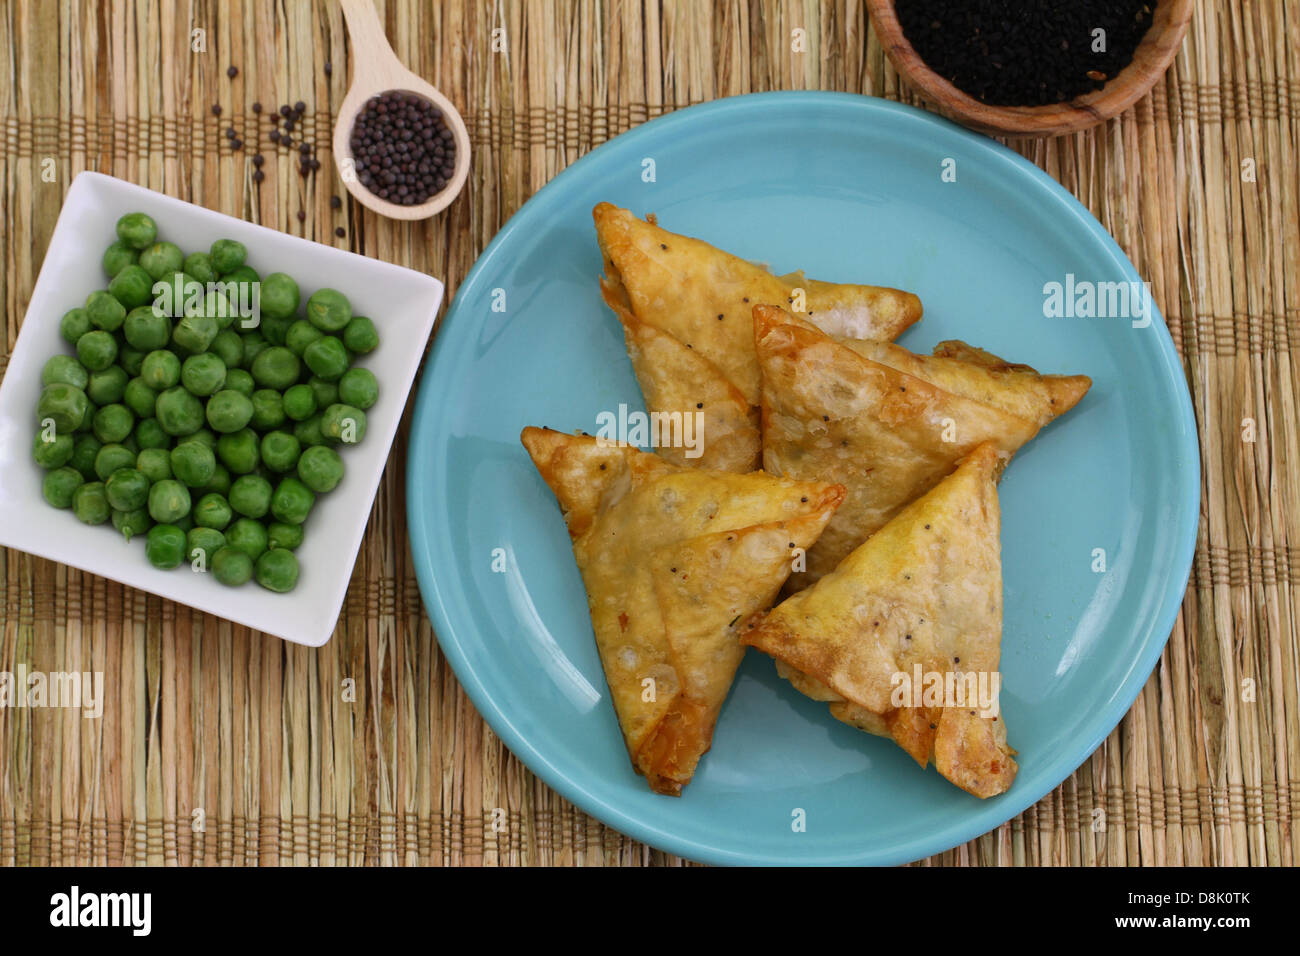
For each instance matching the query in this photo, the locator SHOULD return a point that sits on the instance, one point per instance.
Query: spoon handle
(371, 52)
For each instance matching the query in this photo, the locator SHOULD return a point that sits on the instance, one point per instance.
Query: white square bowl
(403, 305)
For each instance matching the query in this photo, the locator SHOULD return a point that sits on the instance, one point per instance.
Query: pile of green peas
(186, 416)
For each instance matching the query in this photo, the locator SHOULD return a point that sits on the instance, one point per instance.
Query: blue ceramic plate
(1099, 511)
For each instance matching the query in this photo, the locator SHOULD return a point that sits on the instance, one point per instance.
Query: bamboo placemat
(220, 745)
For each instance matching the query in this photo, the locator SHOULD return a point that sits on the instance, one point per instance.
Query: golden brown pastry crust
(887, 436)
(924, 592)
(983, 377)
(699, 298)
(674, 561)
(674, 378)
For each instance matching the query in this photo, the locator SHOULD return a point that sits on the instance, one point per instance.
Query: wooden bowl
(1150, 61)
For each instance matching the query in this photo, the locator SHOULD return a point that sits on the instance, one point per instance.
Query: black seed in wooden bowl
(1025, 52)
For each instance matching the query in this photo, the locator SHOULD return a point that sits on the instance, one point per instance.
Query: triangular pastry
(674, 560)
(1015, 389)
(685, 309)
(832, 413)
(976, 374)
(903, 638)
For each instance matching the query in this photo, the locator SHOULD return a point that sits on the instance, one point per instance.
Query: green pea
(107, 386)
(227, 255)
(139, 397)
(127, 489)
(162, 259)
(131, 523)
(117, 257)
(130, 444)
(202, 543)
(105, 312)
(220, 483)
(60, 485)
(213, 511)
(65, 405)
(229, 411)
(131, 359)
(300, 335)
(281, 535)
(155, 464)
(299, 402)
(194, 333)
(147, 329)
(280, 451)
(97, 350)
(193, 463)
(275, 330)
(231, 566)
(74, 324)
(238, 451)
(84, 452)
(292, 501)
(206, 436)
(250, 496)
(169, 500)
(327, 358)
(113, 423)
(204, 374)
(161, 370)
(133, 287)
(345, 423)
(308, 432)
(89, 504)
(199, 265)
(255, 344)
(248, 536)
(178, 412)
(328, 310)
(276, 367)
(277, 570)
(244, 275)
(54, 452)
(320, 468)
(238, 380)
(110, 458)
(137, 230)
(327, 393)
(149, 435)
(359, 387)
(217, 307)
(229, 347)
(280, 296)
(360, 335)
(165, 546)
(66, 370)
(268, 410)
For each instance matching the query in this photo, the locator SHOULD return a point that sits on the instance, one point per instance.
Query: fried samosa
(685, 310)
(975, 374)
(674, 560)
(885, 423)
(903, 638)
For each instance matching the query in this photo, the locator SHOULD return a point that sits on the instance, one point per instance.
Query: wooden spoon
(376, 69)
